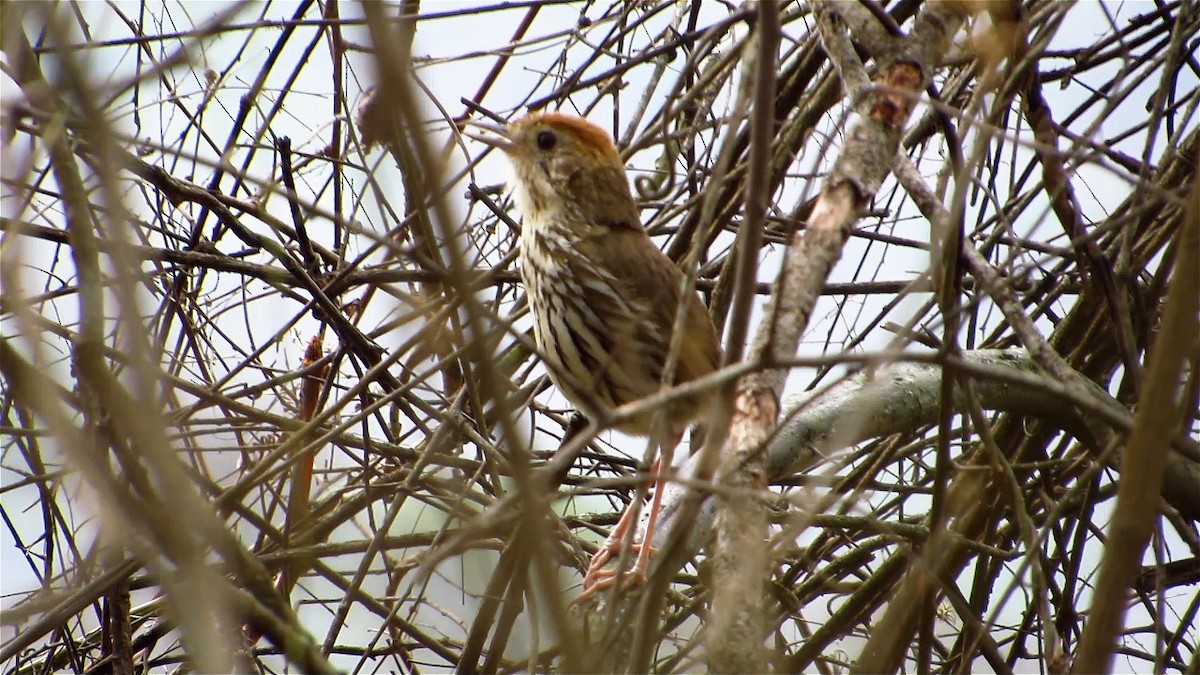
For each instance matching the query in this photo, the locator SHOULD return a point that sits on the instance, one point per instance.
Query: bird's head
(565, 169)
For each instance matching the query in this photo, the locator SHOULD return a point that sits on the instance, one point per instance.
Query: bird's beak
(497, 136)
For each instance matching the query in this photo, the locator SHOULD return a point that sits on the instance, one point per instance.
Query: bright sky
(237, 58)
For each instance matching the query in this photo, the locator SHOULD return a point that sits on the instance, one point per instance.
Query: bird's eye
(546, 140)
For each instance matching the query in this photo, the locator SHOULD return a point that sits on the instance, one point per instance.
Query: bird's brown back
(604, 320)
(603, 296)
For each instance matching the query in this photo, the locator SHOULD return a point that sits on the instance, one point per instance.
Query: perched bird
(602, 295)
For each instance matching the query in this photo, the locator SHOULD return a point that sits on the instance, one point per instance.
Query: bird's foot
(599, 578)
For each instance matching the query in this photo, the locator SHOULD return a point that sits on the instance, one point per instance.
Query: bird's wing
(650, 279)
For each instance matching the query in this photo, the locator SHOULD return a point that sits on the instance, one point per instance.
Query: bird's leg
(598, 578)
(637, 575)
(612, 544)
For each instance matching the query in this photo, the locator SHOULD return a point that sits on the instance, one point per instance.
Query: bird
(603, 297)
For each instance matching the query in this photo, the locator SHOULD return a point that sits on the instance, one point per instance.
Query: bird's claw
(606, 579)
(598, 578)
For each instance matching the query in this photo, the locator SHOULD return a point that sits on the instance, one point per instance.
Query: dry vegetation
(270, 400)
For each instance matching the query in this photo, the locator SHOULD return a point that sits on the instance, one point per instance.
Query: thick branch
(895, 399)
(741, 562)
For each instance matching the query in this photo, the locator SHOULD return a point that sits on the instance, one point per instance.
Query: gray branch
(904, 396)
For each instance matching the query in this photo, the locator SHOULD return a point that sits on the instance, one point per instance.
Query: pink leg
(638, 574)
(613, 543)
(598, 578)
